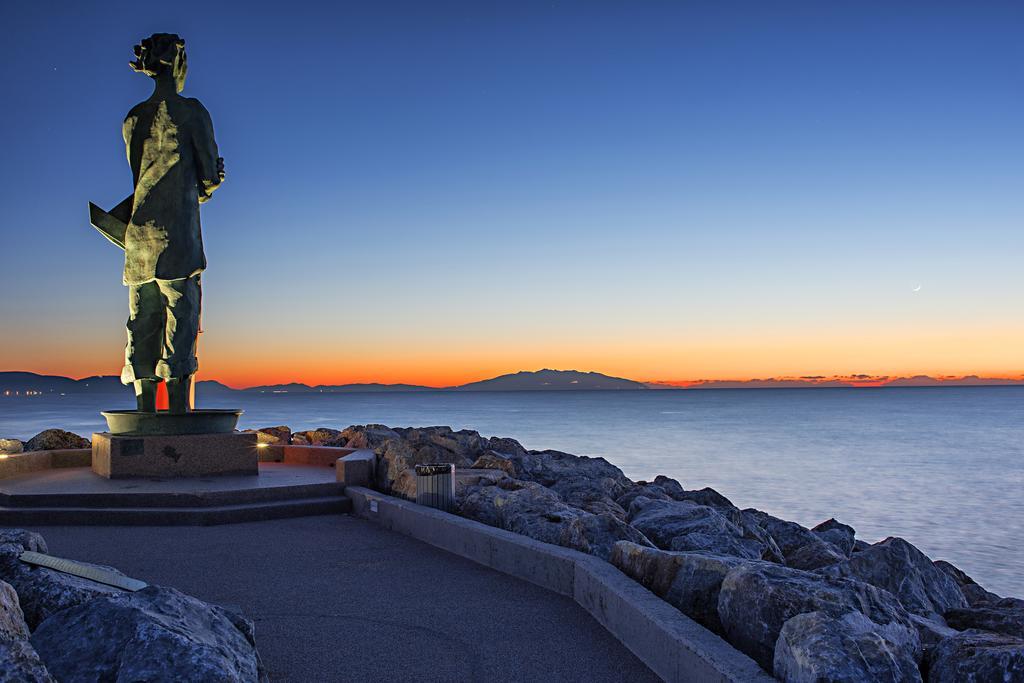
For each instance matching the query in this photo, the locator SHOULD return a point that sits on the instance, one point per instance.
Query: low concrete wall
(674, 646)
(323, 456)
(356, 468)
(34, 461)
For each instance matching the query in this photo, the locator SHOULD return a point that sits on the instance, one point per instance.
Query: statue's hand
(220, 168)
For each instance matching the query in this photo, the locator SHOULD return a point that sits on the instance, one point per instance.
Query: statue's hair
(156, 53)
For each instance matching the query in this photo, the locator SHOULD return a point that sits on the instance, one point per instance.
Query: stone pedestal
(182, 455)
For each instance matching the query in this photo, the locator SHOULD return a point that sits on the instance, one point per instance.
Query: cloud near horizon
(857, 380)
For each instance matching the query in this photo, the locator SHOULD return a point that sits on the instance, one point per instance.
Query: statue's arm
(209, 166)
(126, 132)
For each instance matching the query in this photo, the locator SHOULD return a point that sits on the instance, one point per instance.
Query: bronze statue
(175, 168)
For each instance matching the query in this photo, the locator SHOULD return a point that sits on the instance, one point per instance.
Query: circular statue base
(135, 423)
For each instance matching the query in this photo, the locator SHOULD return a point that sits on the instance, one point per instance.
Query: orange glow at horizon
(280, 356)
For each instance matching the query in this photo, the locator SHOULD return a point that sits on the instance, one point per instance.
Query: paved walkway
(337, 598)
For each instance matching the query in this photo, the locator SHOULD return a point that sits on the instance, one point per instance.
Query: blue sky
(424, 191)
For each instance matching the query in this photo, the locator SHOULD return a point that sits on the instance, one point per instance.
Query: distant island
(31, 384)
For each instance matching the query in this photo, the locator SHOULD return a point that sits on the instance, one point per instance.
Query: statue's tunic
(173, 158)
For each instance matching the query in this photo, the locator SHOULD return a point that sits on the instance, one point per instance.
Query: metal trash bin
(435, 486)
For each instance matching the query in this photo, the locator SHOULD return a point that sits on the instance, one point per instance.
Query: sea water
(940, 467)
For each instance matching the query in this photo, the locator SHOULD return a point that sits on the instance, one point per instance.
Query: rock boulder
(20, 663)
(506, 446)
(536, 511)
(898, 567)
(369, 436)
(1007, 620)
(41, 591)
(975, 595)
(321, 436)
(816, 646)
(155, 634)
(686, 526)
(276, 436)
(840, 535)
(705, 496)
(801, 548)
(688, 581)
(977, 657)
(12, 619)
(757, 599)
(55, 439)
(644, 489)
(492, 460)
(23, 540)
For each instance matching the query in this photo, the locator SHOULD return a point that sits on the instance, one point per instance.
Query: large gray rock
(321, 436)
(644, 489)
(492, 460)
(536, 511)
(369, 436)
(669, 485)
(155, 634)
(758, 598)
(1008, 620)
(906, 572)
(11, 446)
(850, 648)
(25, 540)
(801, 548)
(688, 581)
(683, 525)
(276, 436)
(705, 496)
(958, 575)
(977, 657)
(590, 495)
(19, 663)
(41, 591)
(12, 619)
(975, 595)
(579, 480)
(55, 439)
(505, 446)
(931, 631)
(840, 535)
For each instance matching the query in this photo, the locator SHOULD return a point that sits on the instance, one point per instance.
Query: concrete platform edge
(671, 644)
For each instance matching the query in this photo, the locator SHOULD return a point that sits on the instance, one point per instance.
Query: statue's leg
(183, 300)
(179, 391)
(145, 328)
(145, 395)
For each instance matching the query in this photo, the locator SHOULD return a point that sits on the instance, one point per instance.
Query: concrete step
(172, 515)
(182, 499)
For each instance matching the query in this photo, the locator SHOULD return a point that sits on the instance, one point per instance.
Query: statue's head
(162, 53)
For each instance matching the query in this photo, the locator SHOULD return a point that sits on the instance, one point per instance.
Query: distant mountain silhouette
(541, 380)
(370, 387)
(21, 383)
(553, 380)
